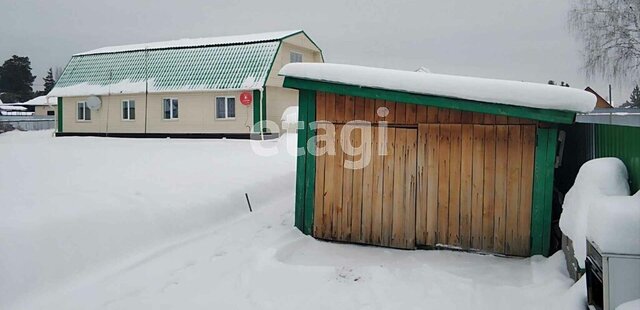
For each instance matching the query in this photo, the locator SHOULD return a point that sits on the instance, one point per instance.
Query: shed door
(374, 204)
(475, 186)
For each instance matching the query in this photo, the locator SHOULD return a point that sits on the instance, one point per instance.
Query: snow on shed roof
(525, 94)
(212, 41)
(41, 100)
(7, 107)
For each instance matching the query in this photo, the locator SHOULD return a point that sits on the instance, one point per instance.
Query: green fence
(622, 142)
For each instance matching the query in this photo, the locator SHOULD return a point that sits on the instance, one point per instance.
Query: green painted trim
(256, 109)
(301, 163)
(552, 143)
(553, 116)
(545, 156)
(310, 173)
(60, 114)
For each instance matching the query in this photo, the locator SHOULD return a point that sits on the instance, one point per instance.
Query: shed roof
(513, 93)
(206, 64)
(41, 101)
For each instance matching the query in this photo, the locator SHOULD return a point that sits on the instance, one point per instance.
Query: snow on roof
(226, 40)
(7, 107)
(506, 92)
(41, 100)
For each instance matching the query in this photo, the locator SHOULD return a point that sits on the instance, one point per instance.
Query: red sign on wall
(246, 98)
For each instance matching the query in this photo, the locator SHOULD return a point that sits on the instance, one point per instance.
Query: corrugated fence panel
(622, 142)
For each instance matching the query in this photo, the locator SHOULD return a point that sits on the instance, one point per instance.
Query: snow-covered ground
(97, 223)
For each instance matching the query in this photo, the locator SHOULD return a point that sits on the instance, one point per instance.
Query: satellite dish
(94, 102)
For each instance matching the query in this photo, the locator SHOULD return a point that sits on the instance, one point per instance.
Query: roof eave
(544, 115)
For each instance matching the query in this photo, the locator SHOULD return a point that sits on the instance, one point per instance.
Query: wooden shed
(451, 161)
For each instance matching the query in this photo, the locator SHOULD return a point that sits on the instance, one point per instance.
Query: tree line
(16, 80)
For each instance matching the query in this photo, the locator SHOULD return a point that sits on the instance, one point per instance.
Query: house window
(225, 107)
(295, 57)
(128, 110)
(170, 108)
(51, 113)
(84, 113)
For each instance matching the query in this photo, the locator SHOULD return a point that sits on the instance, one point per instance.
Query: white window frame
(171, 116)
(128, 103)
(226, 108)
(292, 53)
(84, 112)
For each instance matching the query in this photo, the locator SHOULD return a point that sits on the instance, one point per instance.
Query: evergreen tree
(634, 99)
(49, 82)
(16, 80)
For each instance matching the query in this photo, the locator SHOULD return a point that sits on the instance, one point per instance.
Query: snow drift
(600, 182)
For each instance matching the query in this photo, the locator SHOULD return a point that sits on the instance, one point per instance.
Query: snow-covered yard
(97, 223)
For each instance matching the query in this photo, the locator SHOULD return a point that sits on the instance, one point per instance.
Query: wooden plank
(340, 109)
(514, 170)
(433, 138)
(388, 179)
(410, 189)
(337, 208)
(318, 222)
(321, 106)
(488, 205)
(378, 105)
(330, 107)
(500, 195)
(477, 187)
(400, 162)
(370, 110)
(432, 115)
(453, 237)
(489, 119)
(423, 180)
(401, 113)
(329, 191)
(478, 117)
(444, 148)
(526, 190)
(502, 120)
(357, 187)
(347, 184)
(370, 151)
(349, 108)
(455, 116)
(421, 114)
(466, 117)
(412, 114)
(443, 115)
(391, 106)
(359, 108)
(466, 166)
(378, 146)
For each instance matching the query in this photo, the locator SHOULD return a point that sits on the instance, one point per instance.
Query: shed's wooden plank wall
(447, 177)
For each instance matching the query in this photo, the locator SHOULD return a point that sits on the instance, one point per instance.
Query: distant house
(602, 103)
(210, 87)
(42, 105)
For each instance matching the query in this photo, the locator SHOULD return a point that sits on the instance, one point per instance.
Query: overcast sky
(524, 40)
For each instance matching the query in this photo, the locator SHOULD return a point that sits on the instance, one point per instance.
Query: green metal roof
(172, 68)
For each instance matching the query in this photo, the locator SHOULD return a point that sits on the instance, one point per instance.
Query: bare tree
(57, 72)
(610, 33)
